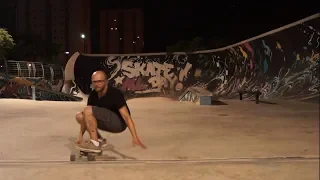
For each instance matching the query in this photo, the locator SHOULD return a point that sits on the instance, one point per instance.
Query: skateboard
(92, 156)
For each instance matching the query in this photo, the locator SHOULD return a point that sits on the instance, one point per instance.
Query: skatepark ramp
(18, 77)
(283, 63)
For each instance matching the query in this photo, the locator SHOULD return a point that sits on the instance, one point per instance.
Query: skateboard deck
(92, 156)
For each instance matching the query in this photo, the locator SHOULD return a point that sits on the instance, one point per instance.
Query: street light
(83, 36)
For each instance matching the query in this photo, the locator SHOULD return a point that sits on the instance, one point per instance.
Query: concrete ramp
(282, 63)
(21, 88)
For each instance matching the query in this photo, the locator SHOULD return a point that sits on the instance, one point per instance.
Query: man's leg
(90, 123)
(80, 120)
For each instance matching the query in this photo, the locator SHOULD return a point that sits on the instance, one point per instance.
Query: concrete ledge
(197, 95)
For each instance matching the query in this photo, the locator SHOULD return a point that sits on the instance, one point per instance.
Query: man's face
(99, 82)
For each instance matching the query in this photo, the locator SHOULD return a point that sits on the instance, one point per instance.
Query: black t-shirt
(112, 100)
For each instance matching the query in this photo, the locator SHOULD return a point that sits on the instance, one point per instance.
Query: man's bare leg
(80, 120)
(91, 124)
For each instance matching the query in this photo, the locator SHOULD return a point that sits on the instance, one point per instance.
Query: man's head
(99, 81)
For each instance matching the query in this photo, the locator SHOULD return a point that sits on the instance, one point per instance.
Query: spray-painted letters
(146, 75)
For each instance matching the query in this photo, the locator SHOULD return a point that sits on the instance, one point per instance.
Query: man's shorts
(108, 120)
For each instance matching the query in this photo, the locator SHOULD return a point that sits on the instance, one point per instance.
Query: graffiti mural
(148, 75)
(282, 64)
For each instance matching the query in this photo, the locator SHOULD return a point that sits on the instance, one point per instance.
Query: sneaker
(89, 147)
(103, 143)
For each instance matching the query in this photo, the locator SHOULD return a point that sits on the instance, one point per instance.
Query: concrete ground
(237, 140)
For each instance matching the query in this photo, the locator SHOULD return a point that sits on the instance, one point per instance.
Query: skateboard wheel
(90, 157)
(83, 153)
(72, 157)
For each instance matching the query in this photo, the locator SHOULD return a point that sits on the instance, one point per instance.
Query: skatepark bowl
(239, 140)
(187, 136)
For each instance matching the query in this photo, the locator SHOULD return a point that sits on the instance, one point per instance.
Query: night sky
(167, 22)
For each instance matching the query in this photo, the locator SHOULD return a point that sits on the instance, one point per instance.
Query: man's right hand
(78, 141)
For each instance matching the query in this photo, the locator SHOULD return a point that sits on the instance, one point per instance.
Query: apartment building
(65, 22)
(121, 31)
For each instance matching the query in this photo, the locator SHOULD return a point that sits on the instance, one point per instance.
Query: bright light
(83, 36)
(115, 28)
(111, 29)
(114, 20)
(67, 52)
(29, 65)
(133, 42)
(138, 37)
(120, 38)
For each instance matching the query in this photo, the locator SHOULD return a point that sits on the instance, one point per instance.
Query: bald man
(106, 110)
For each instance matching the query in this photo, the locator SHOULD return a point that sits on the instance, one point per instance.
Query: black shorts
(107, 120)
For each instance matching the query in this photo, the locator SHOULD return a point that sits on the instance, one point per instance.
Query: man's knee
(88, 110)
(79, 117)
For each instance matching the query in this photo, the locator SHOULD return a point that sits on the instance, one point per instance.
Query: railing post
(33, 87)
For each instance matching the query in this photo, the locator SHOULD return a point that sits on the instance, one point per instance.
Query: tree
(217, 42)
(32, 47)
(6, 42)
(196, 44)
(181, 46)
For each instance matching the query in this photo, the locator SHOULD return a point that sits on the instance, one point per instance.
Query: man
(106, 110)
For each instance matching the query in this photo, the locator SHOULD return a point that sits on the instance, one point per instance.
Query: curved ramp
(21, 88)
(283, 63)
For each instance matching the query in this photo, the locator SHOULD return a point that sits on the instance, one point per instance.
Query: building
(8, 16)
(65, 22)
(121, 31)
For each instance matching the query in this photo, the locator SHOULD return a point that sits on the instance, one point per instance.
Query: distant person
(106, 110)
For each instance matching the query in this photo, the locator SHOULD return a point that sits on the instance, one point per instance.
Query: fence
(34, 70)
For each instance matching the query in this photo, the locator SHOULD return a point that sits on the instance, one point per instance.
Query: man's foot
(102, 142)
(89, 147)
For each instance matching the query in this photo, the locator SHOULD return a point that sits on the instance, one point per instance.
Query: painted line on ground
(165, 161)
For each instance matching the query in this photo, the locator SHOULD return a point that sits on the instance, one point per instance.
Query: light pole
(83, 37)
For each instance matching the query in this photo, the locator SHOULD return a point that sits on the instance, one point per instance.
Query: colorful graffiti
(284, 64)
(128, 74)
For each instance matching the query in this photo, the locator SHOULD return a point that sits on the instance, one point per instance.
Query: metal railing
(28, 69)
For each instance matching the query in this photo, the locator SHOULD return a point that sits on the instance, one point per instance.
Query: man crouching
(106, 110)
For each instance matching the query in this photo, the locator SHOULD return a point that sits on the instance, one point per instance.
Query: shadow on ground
(216, 102)
(109, 148)
(266, 102)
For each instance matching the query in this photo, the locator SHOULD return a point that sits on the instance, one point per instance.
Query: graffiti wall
(283, 65)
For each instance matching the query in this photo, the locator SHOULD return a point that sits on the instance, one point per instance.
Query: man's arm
(126, 116)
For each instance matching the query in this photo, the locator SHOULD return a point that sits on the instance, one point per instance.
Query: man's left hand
(136, 141)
